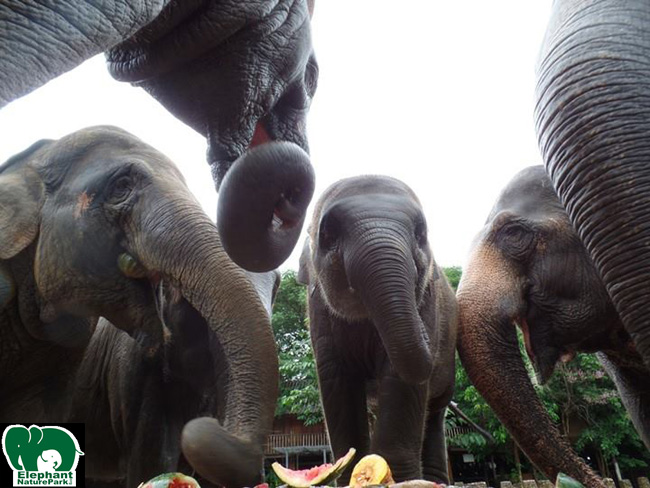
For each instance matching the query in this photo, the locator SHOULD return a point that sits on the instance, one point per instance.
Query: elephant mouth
(544, 363)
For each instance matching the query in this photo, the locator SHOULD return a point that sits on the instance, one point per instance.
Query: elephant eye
(516, 239)
(311, 76)
(121, 189)
(328, 233)
(421, 233)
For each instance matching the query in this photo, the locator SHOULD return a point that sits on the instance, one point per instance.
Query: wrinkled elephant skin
(100, 224)
(382, 320)
(593, 120)
(240, 73)
(527, 267)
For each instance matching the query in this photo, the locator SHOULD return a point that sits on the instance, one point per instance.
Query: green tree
(298, 381)
(578, 393)
(453, 274)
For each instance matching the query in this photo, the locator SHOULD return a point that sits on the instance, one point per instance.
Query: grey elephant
(100, 224)
(592, 118)
(382, 320)
(528, 267)
(240, 73)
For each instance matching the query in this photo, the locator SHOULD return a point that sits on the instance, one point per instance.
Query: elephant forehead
(96, 150)
(529, 194)
(366, 185)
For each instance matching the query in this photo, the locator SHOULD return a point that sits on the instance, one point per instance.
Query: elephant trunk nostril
(288, 209)
(262, 204)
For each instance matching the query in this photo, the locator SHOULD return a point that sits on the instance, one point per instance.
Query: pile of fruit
(371, 470)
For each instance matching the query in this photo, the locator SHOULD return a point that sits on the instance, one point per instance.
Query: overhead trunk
(490, 300)
(181, 243)
(383, 272)
(593, 120)
(263, 201)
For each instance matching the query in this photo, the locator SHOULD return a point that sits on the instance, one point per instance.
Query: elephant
(528, 267)
(40, 448)
(382, 320)
(99, 224)
(240, 73)
(592, 122)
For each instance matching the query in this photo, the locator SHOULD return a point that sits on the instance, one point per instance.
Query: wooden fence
(609, 482)
(276, 443)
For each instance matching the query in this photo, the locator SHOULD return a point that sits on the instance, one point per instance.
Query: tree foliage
(579, 396)
(578, 393)
(453, 274)
(298, 381)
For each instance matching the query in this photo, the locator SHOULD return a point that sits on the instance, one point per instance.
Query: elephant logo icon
(41, 456)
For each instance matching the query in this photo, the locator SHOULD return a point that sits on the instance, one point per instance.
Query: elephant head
(369, 258)
(106, 220)
(527, 267)
(240, 73)
(592, 118)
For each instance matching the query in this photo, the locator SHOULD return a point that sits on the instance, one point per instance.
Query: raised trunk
(383, 272)
(262, 205)
(42, 40)
(490, 299)
(182, 244)
(593, 121)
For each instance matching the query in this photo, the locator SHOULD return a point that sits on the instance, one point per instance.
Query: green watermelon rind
(565, 481)
(158, 481)
(328, 476)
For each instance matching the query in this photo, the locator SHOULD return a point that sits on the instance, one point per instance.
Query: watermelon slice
(318, 475)
(171, 480)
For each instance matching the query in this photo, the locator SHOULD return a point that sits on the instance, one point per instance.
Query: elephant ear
(303, 264)
(21, 199)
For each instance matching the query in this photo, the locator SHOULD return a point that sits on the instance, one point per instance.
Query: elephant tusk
(159, 299)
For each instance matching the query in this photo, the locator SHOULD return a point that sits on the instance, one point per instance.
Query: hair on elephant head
(383, 318)
(527, 267)
(97, 224)
(242, 74)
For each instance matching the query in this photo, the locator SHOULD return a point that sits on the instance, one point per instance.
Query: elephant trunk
(592, 118)
(182, 244)
(263, 201)
(489, 351)
(382, 271)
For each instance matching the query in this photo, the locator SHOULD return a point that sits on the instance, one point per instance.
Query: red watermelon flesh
(318, 475)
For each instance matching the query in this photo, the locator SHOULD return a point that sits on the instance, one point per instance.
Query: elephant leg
(342, 390)
(344, 404)
(400, 426)
(633, 383)
(154, 446)
(434, 449)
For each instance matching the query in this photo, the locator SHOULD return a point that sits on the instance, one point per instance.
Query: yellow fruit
(371, 470)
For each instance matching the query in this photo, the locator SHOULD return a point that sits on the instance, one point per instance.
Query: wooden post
(518, 462)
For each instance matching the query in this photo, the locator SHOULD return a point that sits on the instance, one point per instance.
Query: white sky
(437, 94)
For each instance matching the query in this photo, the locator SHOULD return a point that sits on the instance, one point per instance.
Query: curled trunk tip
(262, 205)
